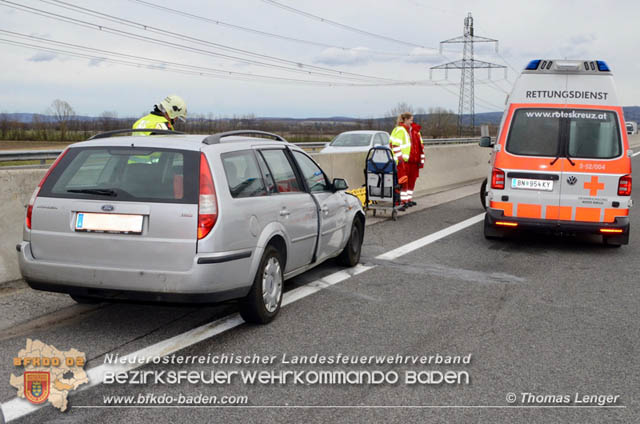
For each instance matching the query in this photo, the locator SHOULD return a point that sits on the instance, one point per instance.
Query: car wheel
(350, 256)
(86, 299)
(483, 193)
(263, 301)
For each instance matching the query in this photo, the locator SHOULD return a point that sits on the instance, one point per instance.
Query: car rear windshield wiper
(99, 191)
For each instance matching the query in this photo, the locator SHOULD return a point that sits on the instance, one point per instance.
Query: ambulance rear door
(596, 159)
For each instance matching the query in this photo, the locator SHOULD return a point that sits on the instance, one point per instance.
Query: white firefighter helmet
(174, 107)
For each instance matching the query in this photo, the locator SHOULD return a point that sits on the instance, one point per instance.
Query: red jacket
(416, 156)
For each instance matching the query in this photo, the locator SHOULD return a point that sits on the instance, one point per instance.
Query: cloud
(96, 61)
(336, 56)
(42, 57)
(420, 55)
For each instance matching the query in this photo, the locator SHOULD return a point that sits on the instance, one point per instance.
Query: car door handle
(285, 212)
(325, 209)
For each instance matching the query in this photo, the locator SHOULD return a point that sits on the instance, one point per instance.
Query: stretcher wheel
(394, 215)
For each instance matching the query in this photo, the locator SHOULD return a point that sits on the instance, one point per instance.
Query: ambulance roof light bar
(567, 65)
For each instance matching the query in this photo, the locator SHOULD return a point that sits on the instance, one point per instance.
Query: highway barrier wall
(446, 166)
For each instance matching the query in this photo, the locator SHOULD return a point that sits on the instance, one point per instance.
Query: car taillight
(624, 186)
(207, 204)
(497, 179)
(37, 190)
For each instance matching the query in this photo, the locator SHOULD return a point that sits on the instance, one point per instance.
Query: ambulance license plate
(109, 223)
(527, 184)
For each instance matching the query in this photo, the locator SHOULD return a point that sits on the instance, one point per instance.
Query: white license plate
(527, 184)
(109, 222)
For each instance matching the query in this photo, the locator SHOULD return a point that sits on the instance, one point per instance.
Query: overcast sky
(32, 79)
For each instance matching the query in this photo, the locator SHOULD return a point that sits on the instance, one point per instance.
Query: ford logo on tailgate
(107, 208)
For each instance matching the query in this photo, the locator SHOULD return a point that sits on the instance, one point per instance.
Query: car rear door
(121, 207)
(333, 206)
(298, 213)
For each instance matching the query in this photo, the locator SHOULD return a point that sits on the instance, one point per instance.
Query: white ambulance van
(561, 161)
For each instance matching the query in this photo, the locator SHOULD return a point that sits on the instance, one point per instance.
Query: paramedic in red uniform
(400, 143)
(416, 161)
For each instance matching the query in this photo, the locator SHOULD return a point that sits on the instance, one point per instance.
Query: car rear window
(126, 174)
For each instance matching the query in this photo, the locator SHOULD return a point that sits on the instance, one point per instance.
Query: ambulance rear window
(534, 132)
(594, 134)
(591, 134)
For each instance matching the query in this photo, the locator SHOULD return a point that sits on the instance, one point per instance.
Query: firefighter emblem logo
(572, 180)
(36, 386)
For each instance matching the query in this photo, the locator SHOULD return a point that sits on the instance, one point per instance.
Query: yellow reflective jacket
(152, 121)
(400, 141)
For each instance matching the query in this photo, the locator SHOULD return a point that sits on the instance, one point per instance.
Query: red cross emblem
(594, 186)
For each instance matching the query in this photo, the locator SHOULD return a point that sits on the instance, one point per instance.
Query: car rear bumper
(212, 278)
(621, 222)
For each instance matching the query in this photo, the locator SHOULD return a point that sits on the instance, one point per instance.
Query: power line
(157, 64)
(298, 69)
(343, 26)
(165, 32)
(262, 33)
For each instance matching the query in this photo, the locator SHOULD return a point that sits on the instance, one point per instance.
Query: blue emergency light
(602, 66)
(533, 65)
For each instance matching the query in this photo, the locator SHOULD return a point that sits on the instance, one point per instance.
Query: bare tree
(63, 114)
(440, 122)
(401, 107)
(108, 120)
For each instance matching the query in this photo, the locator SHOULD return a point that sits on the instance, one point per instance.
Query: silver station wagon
(186, 218)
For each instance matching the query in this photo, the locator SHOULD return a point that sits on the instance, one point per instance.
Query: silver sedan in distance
(356, 141)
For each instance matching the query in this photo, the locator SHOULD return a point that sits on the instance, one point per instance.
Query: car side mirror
(340, 184)
(485, 142)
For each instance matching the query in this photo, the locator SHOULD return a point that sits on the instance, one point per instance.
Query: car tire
(262, 304)
(483, 193)
(350, 255)
(86, 299)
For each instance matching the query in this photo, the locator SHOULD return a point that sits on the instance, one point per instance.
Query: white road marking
(417, 244)
(635, 154)
(18, 407)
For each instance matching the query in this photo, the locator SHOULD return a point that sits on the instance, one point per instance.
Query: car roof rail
(108, 134)
(215, 138)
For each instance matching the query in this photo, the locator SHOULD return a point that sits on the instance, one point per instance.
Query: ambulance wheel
(394, 215)
(483, 194)
(491, 233)
(350, 256)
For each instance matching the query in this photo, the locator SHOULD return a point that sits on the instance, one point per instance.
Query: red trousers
(403, 181)
(413, 171)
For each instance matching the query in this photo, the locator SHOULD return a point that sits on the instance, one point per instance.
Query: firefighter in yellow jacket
(163, 115)
(400, 141)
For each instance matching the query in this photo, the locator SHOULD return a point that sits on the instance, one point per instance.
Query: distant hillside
(631, 113)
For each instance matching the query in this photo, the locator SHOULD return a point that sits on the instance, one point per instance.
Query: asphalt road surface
(543, 320)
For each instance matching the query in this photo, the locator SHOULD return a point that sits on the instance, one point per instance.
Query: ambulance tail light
(208, 203)
(624, 186)
(507, 224)
(497, 179)
(37, 190)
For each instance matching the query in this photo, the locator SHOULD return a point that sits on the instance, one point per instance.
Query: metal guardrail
(43, 155)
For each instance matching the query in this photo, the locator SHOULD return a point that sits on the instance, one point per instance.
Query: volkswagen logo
(107, 208)
(572, 180)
